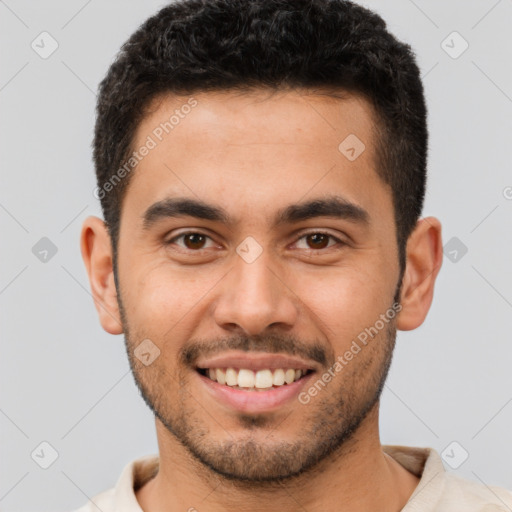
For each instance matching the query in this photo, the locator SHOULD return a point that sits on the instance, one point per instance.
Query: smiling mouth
(249, 380)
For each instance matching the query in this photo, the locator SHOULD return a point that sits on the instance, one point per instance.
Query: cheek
(345, 303)
(162, 300)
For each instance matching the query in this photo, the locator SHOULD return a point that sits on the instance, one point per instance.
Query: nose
(254, 298)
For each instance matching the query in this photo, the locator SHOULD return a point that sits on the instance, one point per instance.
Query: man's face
(256, 281)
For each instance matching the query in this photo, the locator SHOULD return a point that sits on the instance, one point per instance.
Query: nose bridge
(253, 297)
(254, 283)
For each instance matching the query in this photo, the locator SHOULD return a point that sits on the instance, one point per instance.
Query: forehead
(297, 116)
(257, 145)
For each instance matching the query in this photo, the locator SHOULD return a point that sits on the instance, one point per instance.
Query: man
(261, 166)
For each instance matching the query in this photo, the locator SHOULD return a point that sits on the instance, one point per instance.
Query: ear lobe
(97, 255)
(423, 262)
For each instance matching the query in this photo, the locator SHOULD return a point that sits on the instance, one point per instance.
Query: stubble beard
(330, 419)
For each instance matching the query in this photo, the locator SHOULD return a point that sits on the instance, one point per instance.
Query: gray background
(66, 382)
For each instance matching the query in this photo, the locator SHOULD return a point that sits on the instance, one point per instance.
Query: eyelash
(304, 235)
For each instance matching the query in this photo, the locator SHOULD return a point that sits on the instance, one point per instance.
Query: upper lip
(255, 362)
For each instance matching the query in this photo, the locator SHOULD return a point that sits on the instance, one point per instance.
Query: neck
(358, 477)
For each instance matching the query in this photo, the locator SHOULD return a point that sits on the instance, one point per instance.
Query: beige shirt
(437, 490)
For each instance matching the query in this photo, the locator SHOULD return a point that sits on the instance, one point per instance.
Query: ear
(97, 255)
(423, 262)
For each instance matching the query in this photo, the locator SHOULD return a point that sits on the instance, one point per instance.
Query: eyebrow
(331, 206)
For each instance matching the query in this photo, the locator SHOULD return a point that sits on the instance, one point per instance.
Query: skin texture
(254, 154)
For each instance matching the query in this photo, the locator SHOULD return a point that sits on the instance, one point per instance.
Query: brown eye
(194, 241)
(317, 240)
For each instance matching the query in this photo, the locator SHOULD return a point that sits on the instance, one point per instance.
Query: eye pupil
(318, 240)
(194, 240)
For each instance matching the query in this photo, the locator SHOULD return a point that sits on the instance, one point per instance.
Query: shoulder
(476, 496)
(121, 497)
(441, 490)
(103, 501)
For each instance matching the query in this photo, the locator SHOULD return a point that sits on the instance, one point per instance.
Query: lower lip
(255, 401)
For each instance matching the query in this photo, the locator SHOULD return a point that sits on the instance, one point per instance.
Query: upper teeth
(262, 379)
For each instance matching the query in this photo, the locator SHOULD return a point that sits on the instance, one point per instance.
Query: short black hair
(209, 45)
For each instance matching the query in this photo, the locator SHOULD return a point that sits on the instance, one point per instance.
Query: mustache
(271, 343)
